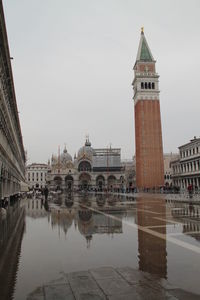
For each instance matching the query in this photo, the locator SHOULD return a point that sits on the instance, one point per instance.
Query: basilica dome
(86, 151)
(54, 160)
(65, 156)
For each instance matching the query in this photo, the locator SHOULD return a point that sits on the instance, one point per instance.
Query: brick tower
(148, 133)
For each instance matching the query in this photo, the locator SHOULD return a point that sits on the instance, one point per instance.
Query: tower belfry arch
(148, 132)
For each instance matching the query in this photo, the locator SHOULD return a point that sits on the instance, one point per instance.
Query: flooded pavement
(83, 232)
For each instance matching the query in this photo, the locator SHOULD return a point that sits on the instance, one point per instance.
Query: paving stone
(112, 286)
(61, 280)
(104, 272)
(82, 282)
(133, 295)
(93, 295)
(147, 293)
(76, 274)
(157, 283)
(109, 283)
(58, 292)
(131, 275)
(184, 295)
(38, 294)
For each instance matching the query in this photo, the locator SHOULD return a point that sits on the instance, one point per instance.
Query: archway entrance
(111, 182)
(84, 181)
(58, 182)
(100, 182)
(69, 182)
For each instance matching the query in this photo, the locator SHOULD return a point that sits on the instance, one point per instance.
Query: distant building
(148, 133)
(186, 168)
(36, 175)
(90, 169)
(130, 173)
(168, 158)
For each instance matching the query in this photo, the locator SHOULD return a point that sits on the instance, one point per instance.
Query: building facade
(12, 156)
(130, 173)
(36, 175)
(168, 158)
(90, 169)
(186, 168)
(148, 133)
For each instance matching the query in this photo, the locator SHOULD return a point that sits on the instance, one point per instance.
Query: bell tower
(148, 132)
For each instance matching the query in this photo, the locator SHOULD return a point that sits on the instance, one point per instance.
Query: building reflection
(36, 208)
(62, 219)
(11, 232)
(152, 249)
(189, 216)
(87, 221)
(100, 200)
(90, 223)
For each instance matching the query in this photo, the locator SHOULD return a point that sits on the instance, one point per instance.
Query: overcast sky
(73, 63)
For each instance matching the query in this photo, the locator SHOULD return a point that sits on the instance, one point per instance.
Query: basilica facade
(91, 169)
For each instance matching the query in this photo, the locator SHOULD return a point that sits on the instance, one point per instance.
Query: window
(153, 85)
(145, 85)
(84, 166)
(149, 85)
(142, 85)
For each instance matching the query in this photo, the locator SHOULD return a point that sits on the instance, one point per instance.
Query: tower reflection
(152, 249)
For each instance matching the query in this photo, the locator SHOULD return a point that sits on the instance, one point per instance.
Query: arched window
(142, 85)
(153, 86)
(84, 166)
(145, 85)
(149, 85)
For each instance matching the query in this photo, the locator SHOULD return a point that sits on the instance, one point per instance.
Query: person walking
(46, 193)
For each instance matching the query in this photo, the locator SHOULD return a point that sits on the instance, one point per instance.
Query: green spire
(144, 52)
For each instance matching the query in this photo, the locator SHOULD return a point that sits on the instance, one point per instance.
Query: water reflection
(79, 232)
(87, 221)
(100, 200)
(152, 250)
(36, 208)
(189, 215)
(11, 233)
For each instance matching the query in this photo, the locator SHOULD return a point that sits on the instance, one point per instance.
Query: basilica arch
(58, 182)
(112, 181)
(69, 182)
(100, 182)
(84, 166)
(84, 181)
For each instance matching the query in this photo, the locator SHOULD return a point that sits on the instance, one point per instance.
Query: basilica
(91, 169)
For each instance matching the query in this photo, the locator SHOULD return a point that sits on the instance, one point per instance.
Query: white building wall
(36, 175)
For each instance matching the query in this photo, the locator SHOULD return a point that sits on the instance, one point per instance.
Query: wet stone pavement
(100, 247)
(108, 283)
